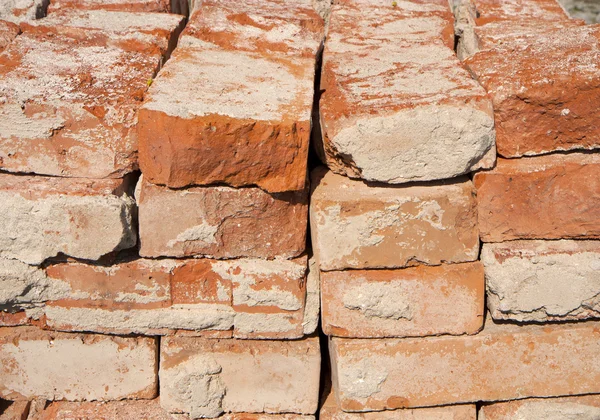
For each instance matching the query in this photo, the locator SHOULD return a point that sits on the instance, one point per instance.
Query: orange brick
(545, 197)
(117, 5)
(519, 11)
(583, 407)
(8, 32)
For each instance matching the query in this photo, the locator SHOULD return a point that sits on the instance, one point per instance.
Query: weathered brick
(17, 410)
(44, 216)
(8, 32)
(411, 302)
(516, 11)
(585, 407)
(545, 197)
(50, 365)
(312, 306)
(355, 225)
(22, 10)
(502, 362)
(414, 113)
(543, 281)
(244, 118)
(69, 96)
(239, 376)
(117, 5)
(221, 222)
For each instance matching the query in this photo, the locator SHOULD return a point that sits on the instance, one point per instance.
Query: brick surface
(414, 113)
(584, 407)
(518, 11)
(69, 96)
(354, 225)
(221, 222)
(545, 197)
(117, 5)
(419, 301)
(17, 410)
(42, 217)
(543, 281)
(50, 365)
(239, 376)
(22, 10)
(502, 362)
(8, 32)
(542, 96)
(249, 69)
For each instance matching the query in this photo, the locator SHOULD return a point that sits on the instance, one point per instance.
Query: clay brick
(502, 362)
(517, 11)
(43, 216)
(244, 117)
(330, 411)
(544, 197)
(69, 96)
(312, 306)
(23, 10)
(543, 281)
(413, 113)
(17, 410)
(412, 302)
(539, 105)
(355, 225)
(239, 376)
(116, 5)
(50, 365)
(8, 32)
(221, 222)
(585, 407)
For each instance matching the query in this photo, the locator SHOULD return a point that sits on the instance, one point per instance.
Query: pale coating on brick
(21, 284)
(235, 84)
(566, 408)
(543, 280)
(74, 368)
(312, 304)
(259, 325)
(18, 11)
(203, 233)
(378, 300)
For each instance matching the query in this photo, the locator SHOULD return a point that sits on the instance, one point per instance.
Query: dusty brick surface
(117, 5)
(249, 67)
(419, 301)
(18, 11)
(502, 362)
(239, 376)
(69, 96)
(414, 113)
(543, 96)
(584, 407)
(43, 217)
(8, 32)
(518, 11)
(543, 281)
(50, 365)
(221, 222)
(354, 225)
(545, 197)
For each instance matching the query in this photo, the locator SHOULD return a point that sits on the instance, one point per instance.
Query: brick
(43, 217)
(249, 68)
(239, 376)
(414, 113)
(23, 10)
(8, 32)
(116, 5)
(543, 281)
(50, 365)
(69, 96)
(17, 410)
(545, 197)
(515, 11)
(330, 411)
(503, 362)
(539, 105)
(412, 302)
(585, 407)
(312, 307)
(355, 225)
(221, 222)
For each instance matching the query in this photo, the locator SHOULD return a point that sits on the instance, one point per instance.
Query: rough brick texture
(502, 362)
(543, 281)
(116, 5)
(545, 197)
(221, 222)
(354, 225)
(585, 408)
(42, 217)
(248, 67)
(50, 365)
(414, 113)
(8, 32)
(18, 11)
(419, 301)
(239, 376)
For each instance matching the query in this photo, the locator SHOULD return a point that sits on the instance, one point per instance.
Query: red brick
(583, 407)
(244, 117)
(412, 302)
(221, 222)
(118, 5)
(519, 11)
(545, 197)
(8, 32)
(503, 362)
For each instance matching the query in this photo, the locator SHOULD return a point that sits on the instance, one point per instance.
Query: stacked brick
(402, 291)
(97, 262)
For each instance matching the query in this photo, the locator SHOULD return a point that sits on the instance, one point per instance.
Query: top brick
(515, 10)
(121, 5)
(243, 117)
(398, 106)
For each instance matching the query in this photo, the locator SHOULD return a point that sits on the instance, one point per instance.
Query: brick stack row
(398, 242)
(194, 273)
